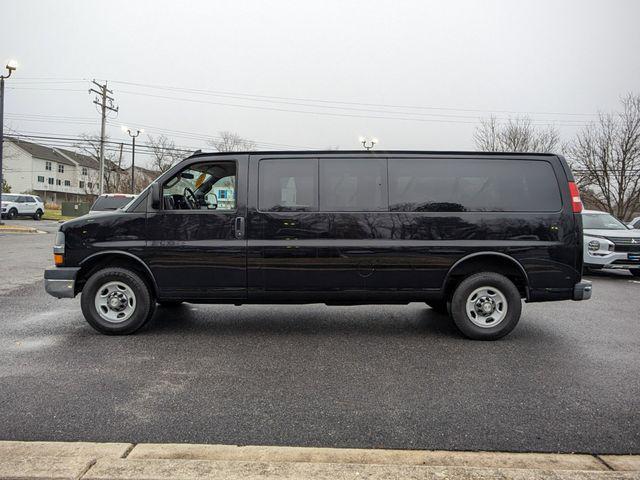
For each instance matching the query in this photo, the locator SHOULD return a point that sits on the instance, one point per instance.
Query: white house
(55, 174)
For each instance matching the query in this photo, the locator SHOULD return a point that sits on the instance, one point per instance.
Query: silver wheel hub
(486, 307)
(115, 302)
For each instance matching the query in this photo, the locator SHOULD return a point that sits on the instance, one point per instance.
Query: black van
(470, 234)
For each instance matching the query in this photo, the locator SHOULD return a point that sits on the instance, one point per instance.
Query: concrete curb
(125, 461)
(367, 456)
(238, 470)
(18, 229)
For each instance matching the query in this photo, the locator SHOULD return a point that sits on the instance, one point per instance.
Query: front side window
(351, 185)
(200, 187)
(288, 185)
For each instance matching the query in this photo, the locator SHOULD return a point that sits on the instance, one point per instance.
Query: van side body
(381, 252)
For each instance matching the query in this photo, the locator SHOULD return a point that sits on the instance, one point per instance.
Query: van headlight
(593, 245)
(58, 249)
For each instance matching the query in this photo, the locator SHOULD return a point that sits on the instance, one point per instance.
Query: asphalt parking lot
(566, 380)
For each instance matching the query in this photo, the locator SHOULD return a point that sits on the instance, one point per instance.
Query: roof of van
(372, 153)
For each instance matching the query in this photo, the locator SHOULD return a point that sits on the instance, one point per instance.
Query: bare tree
(90, 145)
(232, 142)
(515, 135)
(164, 153)
(605, 157)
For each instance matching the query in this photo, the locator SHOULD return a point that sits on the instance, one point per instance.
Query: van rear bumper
(60, 282)
(582, 290)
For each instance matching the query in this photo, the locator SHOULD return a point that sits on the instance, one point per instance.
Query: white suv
(609, 243)
(14, 205)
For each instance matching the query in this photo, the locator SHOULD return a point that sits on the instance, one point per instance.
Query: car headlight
(593, 245)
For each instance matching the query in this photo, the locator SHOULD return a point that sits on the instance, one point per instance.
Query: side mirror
(155, 196)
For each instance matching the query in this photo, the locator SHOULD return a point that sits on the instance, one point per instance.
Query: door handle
(239, 227)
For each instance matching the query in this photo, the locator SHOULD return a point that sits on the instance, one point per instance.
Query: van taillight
(576, 203)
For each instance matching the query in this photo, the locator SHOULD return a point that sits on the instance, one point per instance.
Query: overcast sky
(317, 74)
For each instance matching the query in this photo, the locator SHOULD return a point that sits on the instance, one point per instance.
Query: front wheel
(117, 301)
(635, 272)
(486, 306)
(37, 215)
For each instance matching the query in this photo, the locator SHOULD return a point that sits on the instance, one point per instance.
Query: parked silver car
(609, 243)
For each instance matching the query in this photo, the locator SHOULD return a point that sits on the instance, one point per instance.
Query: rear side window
(467, 185)
(348, 185)
(288, 185)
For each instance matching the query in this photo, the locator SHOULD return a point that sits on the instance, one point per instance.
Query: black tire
(635, 272)
(170, 303)
(512, 309)
(12, 214)
(439, 306)
(145, 304)
(38, 215)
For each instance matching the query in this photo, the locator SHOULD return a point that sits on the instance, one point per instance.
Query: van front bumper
(582, 290)
(60, 282)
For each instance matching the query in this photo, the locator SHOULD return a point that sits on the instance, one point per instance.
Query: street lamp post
(368, 145)
(11, 66)
(133, 153)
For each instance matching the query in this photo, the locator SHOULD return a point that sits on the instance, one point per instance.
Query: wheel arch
(486, 262)
(114, 258)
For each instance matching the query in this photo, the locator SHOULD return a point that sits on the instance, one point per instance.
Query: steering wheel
(190, 198)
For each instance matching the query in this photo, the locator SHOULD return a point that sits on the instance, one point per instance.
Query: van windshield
(601, 221)
(110, 203)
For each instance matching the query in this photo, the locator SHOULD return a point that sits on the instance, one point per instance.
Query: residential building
(58, 174)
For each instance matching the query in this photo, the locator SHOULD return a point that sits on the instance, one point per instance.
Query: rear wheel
(37, 215)
(486, 306)
(635, 272)
(117, 301)
(13, 213)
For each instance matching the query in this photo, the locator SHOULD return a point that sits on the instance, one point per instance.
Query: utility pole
(105, 101)
(133, 136)
(11, 66)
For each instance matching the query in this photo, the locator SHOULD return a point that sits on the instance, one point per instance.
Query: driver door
(195, 242)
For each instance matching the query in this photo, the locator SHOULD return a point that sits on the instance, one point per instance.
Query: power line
(273, 97)
(281, 99)
(331, 114)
